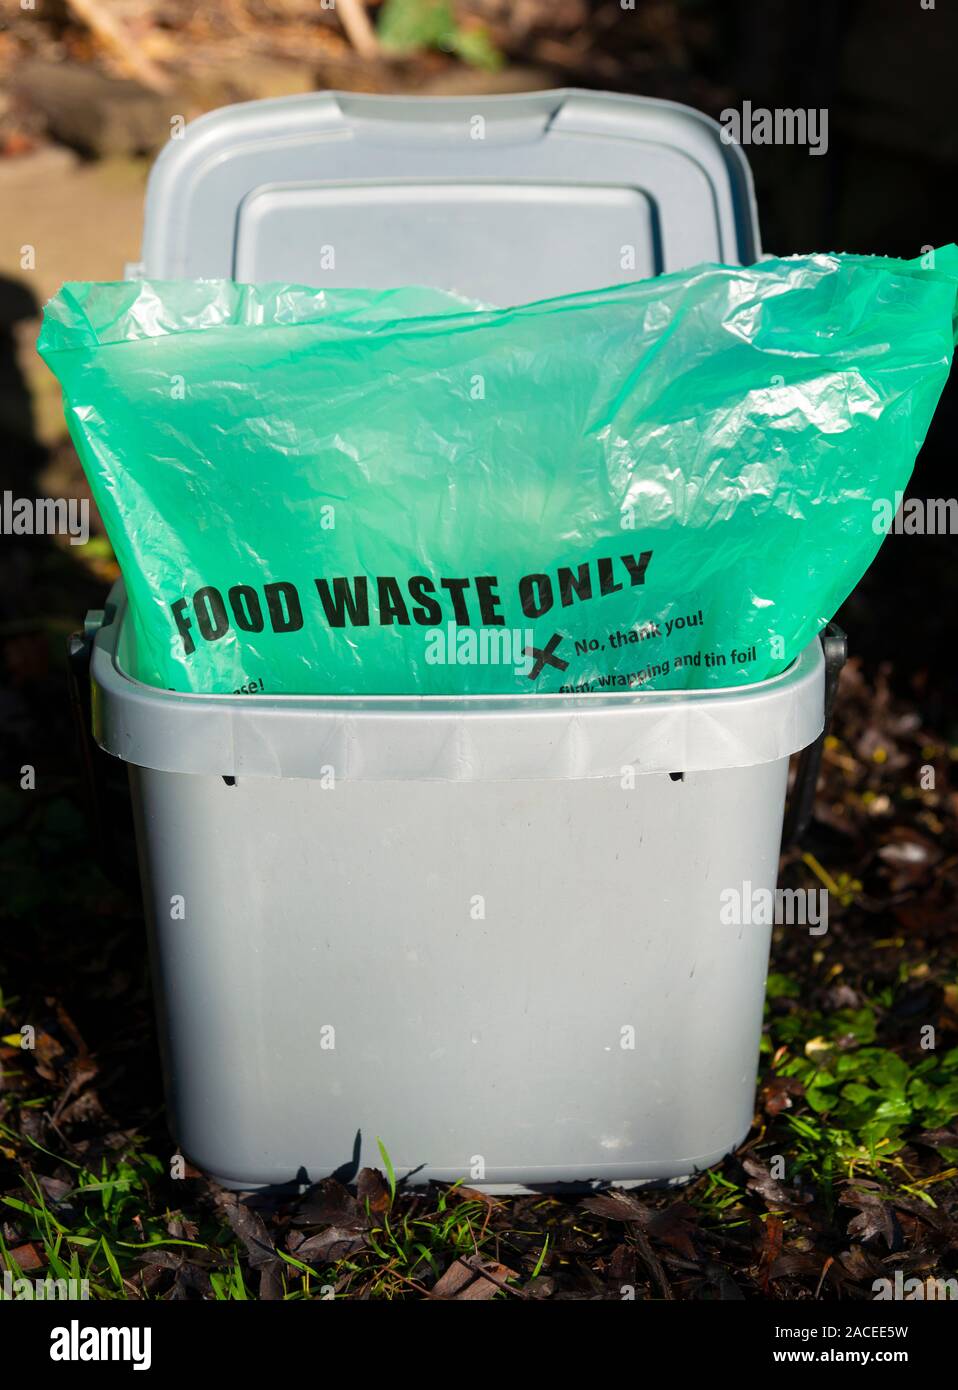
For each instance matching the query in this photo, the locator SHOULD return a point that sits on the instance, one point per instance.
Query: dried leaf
(774, 1193)
(472, 1282)
(875, 1217)
(372, 1194)
(335, 1243)
(251, 1230)
(28, 1257)
(330, 1204)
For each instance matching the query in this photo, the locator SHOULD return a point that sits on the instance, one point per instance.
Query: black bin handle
(802, 804)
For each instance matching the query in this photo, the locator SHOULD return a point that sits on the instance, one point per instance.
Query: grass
(112, 1216)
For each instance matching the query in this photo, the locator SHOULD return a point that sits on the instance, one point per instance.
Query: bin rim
(449, 738)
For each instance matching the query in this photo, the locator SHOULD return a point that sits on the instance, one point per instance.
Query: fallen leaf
(335, 1243)
(329, 1204)
(251, 1230)
(774, 1193)
(28, 1258)
(875, 1217)
(472, 1283)
(372, 1194)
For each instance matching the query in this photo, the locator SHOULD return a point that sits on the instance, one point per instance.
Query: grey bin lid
(505, 199)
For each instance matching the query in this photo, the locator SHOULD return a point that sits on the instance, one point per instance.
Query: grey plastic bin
(483, 930)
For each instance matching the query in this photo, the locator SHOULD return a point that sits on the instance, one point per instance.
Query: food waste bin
(485, 931)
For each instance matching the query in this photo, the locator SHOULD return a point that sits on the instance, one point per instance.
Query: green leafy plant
(406, 26)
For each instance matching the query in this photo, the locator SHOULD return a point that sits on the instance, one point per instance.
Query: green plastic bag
(663, 485)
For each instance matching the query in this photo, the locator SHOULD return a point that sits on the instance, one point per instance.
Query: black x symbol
(544, 657)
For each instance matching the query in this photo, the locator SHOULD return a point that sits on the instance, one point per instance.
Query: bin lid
(505, 199)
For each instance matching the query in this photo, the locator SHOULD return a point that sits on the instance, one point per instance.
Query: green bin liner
(670, 484)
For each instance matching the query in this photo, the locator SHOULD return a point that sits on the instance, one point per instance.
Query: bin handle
(802, 804)
(79, 653)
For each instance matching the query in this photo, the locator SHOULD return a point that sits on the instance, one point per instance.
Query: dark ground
(863, 1115)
